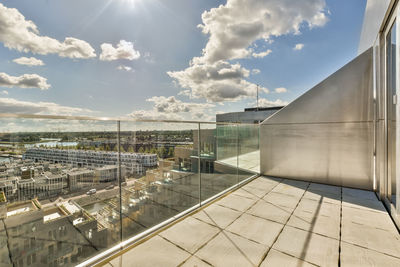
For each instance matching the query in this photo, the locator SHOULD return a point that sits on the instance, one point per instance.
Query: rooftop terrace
(276, 222)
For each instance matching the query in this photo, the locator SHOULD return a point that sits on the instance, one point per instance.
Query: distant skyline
(177, 59)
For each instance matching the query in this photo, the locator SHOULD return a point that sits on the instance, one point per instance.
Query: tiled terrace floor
(274, 222)
(249, 161)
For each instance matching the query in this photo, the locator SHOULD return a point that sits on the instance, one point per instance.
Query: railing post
(119, 177)
(199, 163)
(237, 152)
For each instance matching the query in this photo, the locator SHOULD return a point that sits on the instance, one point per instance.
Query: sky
(169, 59)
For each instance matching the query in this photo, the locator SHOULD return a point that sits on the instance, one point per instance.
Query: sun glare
(131, 3)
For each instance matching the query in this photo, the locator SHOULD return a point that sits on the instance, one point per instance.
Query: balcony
(296, 189)
(276, 222)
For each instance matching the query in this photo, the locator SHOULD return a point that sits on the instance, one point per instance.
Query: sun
(131, 3)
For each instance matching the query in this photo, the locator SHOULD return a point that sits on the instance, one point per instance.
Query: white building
(135, 163)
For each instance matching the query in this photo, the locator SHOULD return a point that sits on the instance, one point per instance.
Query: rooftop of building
(263, 108)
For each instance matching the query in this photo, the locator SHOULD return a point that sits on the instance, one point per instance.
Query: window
(51, 249)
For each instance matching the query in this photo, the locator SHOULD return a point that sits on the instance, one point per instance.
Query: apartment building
(135, 163)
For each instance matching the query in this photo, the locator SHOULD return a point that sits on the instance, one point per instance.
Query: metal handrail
(122, 119)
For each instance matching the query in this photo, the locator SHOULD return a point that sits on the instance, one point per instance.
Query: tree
(130, 149)
(141, 150)
(171, 152)
(162, 152)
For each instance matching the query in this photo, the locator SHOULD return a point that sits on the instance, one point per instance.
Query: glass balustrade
(74, 188)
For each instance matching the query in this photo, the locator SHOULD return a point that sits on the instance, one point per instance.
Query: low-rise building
(135, 163)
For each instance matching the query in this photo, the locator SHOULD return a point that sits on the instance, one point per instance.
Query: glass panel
(391, 110)
(248, 150)
(163, 181)
(218, 158)
(60, 196)
(54, 202)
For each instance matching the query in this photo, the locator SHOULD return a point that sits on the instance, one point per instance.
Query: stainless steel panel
(331, 153)
(345, 96)
(327, 134)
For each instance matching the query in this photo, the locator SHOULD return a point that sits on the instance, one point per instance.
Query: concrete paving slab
(195, 262)
(282, 200)
(358, 193)
(217, 215)
(296, 183)
(337, 190)
(228, 249)
(236, 202)
(276, 258)
(313, 248)
(244, 193)
(190, 234)
(271, 179)
(154, 252)
(288, 189)
(319, 224)
(351, 255)
(270, 211)
(256, 229)
(323, 197)
(264, 181)
(258, 191)
(367, 204)
(372, 238)
(368, 218)
(319, 208)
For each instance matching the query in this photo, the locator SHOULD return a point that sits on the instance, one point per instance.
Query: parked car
(91, 192)
(110, 187)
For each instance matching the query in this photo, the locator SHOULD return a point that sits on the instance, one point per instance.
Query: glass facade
(391, 63)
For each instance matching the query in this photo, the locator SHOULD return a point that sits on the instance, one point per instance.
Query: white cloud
(263, 102)
(280, 90)
(125, 68)
(255, 71)
(170, 108)
(23, 35)
(11, 105)
(232, 29)
(29, 61)
(124, 50)
(154, 115)
(298, 47)
(262, 54)
(24, 81)
(4, 92)
(173, 105)
(220, 81)
(185, 92)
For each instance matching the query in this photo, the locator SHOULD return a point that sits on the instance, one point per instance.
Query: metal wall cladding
(327, 134)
